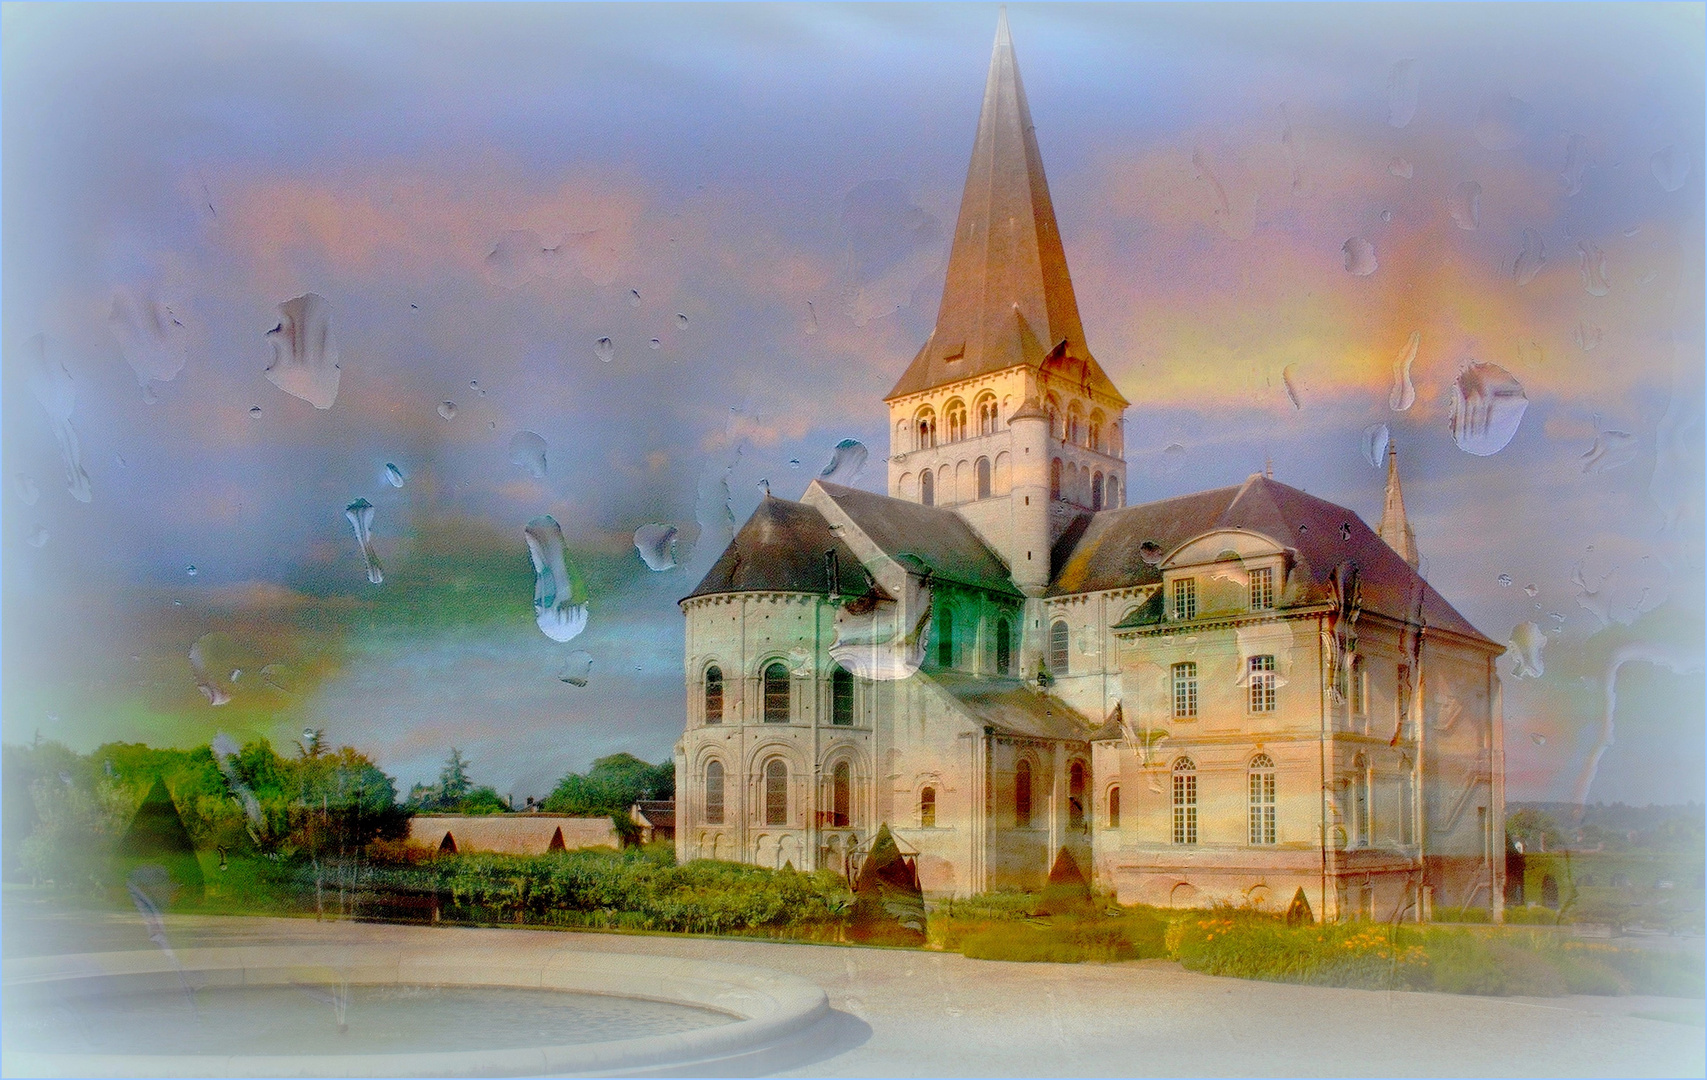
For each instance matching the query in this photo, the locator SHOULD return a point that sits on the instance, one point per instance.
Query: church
(1225, 697)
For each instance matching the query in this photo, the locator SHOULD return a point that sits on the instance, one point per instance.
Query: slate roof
(938, 538)
(1012, 707)
(781, 549)
(1106, 550)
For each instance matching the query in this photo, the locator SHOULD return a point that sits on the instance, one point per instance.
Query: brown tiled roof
(781, 549)
(1012, 707)
(659, 813)
(939, 539)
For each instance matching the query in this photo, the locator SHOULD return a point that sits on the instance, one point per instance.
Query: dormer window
(1262, 588)
(1185, 598)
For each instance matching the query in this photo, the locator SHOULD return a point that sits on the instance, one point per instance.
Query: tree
(454, 784)
(611, 786)
(456, 793)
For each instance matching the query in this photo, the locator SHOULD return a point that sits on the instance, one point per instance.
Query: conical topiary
(889, 907)
(1067, 891)
(157, 837)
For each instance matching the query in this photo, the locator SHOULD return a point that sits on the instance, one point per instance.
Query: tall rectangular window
(1185, 690)
(841, 697)
(714, 793)
(1359, 688)
(1262, 800)
(1185, 802)
(1185, 598)
(1262, 588)
(1262, 684)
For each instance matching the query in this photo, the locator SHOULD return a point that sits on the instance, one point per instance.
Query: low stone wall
(512, 834)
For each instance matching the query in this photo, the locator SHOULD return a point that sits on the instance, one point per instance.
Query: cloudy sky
(751, 204)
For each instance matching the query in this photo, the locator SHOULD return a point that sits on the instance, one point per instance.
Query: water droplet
(447, 409)
(190, 570)
(1288, 379)
(1173, 459)
(1576, 160)
(1375, 439)
(681, 320)
(1556, 616)
(657, 545)
(26, 489)
(1500, 122)
(360, 515)
(474, 385)
(1505, 581)
(1610, 450)
(1402, 93)
(764, 485)
(52, 387)
(880, 638)
(1529, 260)
(236, 674)
(1359, 256)
(1465, 206)
(605, 349)
(1387, 217)
(393, 475)
(811, 318)
(38, 537)
(1401, 167)
(1524, 647)
(1531, 591)
(634, 298)
(150, 336)
(847, 461)
(305, 361)
(1487, 406)
(794, 463)
(280, 678)
(118, 459)
(1345, 530)
(655, 344)
(527, 450)
(1671, 168)
(577, 668)
(1404, 392)
(255, 411)
(1303, 529)
(519, 256)
(210, 653)
(559, 594)
(1151, 552)
(1588, 337)
(1593, 269)
(1633, 230)
(1537, 738)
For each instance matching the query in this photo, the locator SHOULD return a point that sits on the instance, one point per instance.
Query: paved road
(909, 1013)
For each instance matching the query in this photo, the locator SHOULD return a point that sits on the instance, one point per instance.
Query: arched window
(714, 793)
(1096, 492)
(1185, 690)
(776, 693)
(1096, 432)
(1111, 493)
(1076, 424)
(927, 488)
(841, 697)
(1022, 794)
(1261, 785)
(1070, 486)
(983, 478)
(1185, 801)
(840, 792)
(987, 414)
(955, 414)
(1055, 479)
(1362, 827)
(945, 638)
(1004, 646)
(776, 792)
(714, 695)
(927, 808)
(1114, 807)
(1076, 794)
(924, 428)
(1052, 406)
(1058, 636)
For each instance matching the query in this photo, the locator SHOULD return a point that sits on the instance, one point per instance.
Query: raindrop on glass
(1151, 552)
(1529, 260)
(1610, 450)
(447, 409)
(393, 475)
(1387, 217)
(1531, 591)
(1291, 384)
(52, 387)
(577, 668)
(1359, 256)
(527, 450)
(847, 461)
(1500, 123)
(1593, 265)
(794, 463)
(1173, 458)
(1401, 167)
(255, 411)
(1345, 530)
(26, 489)
(205, 658)
(1537, 738)
(360, 516)
(681, 320)
(474, 385)
(1633, 230)
(1404, 392)
(1671, 168)
(305, 361)
(1525, 646)
(1402, 93)
(37, 537)
(190, 570)
(657, 545)
(655, 344)
(1588, 337)
(1487, 406)
(1465, 205)
(1375, 439)
(634, 298)
(605, 349)
(1505, 581)
(559, 594)
(1576, 160)
(811, 318)
(150, 336)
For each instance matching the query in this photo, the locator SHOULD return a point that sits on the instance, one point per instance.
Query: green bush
(1127, 934)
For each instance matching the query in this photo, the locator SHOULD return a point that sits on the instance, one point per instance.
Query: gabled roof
(937, 538)
(781, 549)
(1008, 299)
(1011, 707)
(1120, 548)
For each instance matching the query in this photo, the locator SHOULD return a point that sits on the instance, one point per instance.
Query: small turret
(1395, 528)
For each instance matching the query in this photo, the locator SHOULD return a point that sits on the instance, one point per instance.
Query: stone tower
(1004, 415)
(1395, 527)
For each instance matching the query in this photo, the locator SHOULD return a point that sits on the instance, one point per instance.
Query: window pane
(776, 793)
(841, 697)
(1185, 690)
(1262, 589)
(1022, 794)
(714, 793)
(713, 695)
(1261, 684)
(927, 808)
(1114, 808)
(1058, 639)
(840, 795)
(1185, 803)
(776, 694)
(1185, 598)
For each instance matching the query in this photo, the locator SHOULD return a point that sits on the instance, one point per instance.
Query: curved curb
(770, 1007)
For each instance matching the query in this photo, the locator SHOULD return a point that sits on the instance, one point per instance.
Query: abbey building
(1226, 696)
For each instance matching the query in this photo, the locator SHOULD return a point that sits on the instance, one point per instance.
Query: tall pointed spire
(1008, 299)
(1395, 527)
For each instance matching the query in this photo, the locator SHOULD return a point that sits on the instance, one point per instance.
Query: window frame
(841, 694)
(1262, 596)
(1260, 697)
(1112, 807)
(927, 807)
(776, 793)
(769, 695)
(711, 686)
(1183, 678)
(1022, 793)
(1078, 777)
(1185, 598)
(715, 810)
(841, 795)
(1060, 647)
(1260, 799)
(1185, 802)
